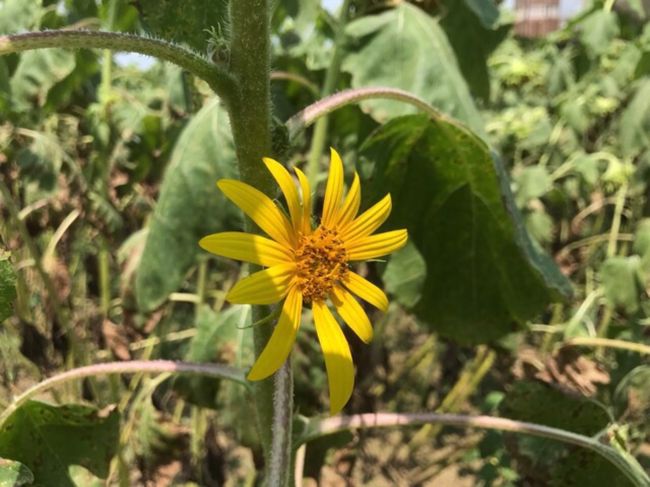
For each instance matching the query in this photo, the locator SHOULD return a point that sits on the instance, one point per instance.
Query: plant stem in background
(469, 379)
(329, 85)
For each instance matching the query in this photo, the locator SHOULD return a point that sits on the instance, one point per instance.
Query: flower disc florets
(321, 263)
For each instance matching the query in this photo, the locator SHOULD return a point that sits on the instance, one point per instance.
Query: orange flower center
(321, 261)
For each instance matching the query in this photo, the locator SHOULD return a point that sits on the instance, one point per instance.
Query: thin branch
(127, 367)
(625, 463)
(221, 81)
(609, 343)
(303, 119)
(301, 80)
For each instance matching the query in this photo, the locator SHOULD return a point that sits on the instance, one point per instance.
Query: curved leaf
(189, 207)
(484, 274)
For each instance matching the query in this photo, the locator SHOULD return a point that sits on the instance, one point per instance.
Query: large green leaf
(547, 462)
(14, 474)
(187, 21)
(484, 274)
(49, 439)
(7, 287)
(405, 48)
(189, 206)
(473, 32)
(37, 73)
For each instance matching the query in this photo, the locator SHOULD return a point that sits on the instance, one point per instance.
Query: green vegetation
(520, 167)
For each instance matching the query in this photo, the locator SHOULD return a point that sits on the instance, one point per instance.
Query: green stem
(623, 461)
(104, 279)
(609, 343)
(250, 118)
(217, 77)
(616, 221)
(306, 117)
(329, 85)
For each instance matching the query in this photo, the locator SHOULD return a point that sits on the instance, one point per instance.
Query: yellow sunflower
(306, 266)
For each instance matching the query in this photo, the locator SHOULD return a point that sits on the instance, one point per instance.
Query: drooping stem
(216, 76)
(625, 463)
(127, 367)
(329, 85)
(303, 119)
(250, 118)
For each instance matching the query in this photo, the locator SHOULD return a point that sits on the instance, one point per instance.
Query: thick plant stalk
(250, 118)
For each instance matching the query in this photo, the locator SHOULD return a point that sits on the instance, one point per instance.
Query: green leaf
(186, 21)
(531, 182)
(49, 439)
(471, 28)
(621, 283)
(427, 68)
(189, 207)
(37, 72)
(405, 274)
(18, 15)
(634, 128)
(217, 339)
(14, 474)
(7, 287)
(484, 274)
(597, 31)
(548, 462)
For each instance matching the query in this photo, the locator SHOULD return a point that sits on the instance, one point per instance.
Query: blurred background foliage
(529, 221)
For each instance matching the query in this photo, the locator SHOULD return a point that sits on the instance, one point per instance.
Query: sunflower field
(337, 243)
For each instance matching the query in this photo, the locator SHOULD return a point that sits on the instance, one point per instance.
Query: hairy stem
(250, 118)
(219, 79)
(303, 119)
(127, 367)
(625, 463)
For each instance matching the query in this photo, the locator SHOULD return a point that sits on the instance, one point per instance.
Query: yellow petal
(352, 313)
(376, 245)
(338, 360)
(260, 208)
(369, 221)
(246, 247)
(351, 204)
(366, 290)
(279, 345)
(333, 190)
(264, 287)
(285, 181)
(305, 189)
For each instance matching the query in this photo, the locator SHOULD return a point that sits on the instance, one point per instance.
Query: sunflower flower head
(307, 266)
